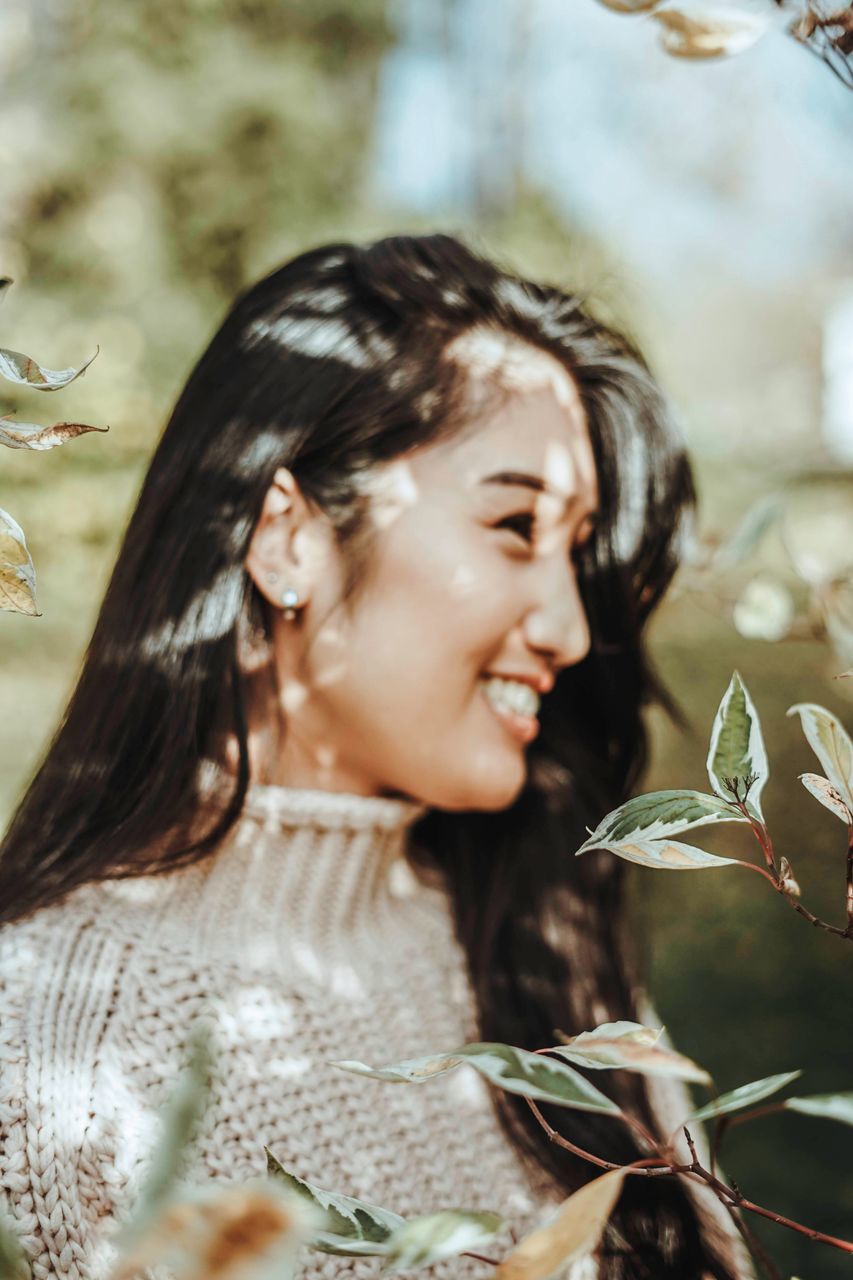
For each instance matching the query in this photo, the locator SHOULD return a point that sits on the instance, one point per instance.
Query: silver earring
(290, 599)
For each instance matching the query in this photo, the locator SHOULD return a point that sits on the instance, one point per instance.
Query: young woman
(370, 660)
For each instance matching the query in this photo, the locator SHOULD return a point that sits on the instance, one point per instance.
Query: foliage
(642, 829)
(17, 575)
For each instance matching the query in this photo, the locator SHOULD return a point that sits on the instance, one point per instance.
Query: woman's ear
(276, 559)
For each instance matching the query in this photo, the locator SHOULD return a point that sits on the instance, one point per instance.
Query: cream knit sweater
(312, 939)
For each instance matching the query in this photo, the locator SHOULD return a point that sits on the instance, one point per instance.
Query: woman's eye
(523, 524)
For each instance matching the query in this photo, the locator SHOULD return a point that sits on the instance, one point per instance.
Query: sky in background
(737, 166)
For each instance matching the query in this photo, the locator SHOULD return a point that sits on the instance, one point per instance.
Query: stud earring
(290, 599)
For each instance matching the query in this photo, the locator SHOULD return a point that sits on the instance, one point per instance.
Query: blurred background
(159, 156)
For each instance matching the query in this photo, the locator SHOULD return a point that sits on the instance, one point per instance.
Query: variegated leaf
(29, 435)
(659, 814)
(830, 1106)
(352, 1227)
(629, 1046)
(828, 795)
(572, 1233)
(16, 367)
(737, 745)
(744, 1096)
(17, 575)
(431, 1237)
(831, 743)
(663, 855)
(532, 1075)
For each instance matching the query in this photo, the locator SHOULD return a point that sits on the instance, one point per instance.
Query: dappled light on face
(393, 489)
(331, 656)
(293, 696)
(463, 581)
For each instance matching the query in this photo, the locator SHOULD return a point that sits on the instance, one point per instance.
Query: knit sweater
(310, 938)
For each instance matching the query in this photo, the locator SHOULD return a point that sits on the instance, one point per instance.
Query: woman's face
(471, 577)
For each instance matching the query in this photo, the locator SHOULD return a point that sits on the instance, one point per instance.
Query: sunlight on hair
(313, 336)
(517, 364)
(631, 519)
(209, 616)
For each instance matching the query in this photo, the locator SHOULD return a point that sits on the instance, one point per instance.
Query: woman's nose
(558, 625)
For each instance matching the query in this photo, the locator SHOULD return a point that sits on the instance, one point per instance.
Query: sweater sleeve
(59, 1124)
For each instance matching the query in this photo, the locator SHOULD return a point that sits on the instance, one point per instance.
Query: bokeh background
(160, 155)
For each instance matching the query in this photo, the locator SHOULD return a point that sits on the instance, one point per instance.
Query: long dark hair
(330, 364)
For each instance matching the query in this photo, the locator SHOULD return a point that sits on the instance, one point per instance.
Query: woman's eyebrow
(529, 481)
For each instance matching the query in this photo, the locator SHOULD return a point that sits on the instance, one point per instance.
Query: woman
(370, 659)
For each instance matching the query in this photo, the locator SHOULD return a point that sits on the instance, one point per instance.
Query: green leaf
(750, 531)
(180, 1118)
(13, 1262)
(828, 795)
(353, 1228)
(532, 1075)
(570, 1235)
(17, 575)
(830, 1106)
(427, 1239)
(16, 367)
(831, 743)
(29, 435)
(629, 1046)
(665, 855)
(658, 814)
(744, 1096)
(737, 746)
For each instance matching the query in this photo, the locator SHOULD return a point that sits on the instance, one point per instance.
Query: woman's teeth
(511, 695)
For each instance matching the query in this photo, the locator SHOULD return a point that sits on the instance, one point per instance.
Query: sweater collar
(302, 864)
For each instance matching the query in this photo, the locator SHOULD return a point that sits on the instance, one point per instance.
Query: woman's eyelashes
(524, 524)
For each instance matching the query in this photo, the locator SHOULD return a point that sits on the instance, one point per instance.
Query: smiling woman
(370, 660)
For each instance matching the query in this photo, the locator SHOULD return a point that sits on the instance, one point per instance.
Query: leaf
(744, 1096)
(828, 795)
(16, 367)
(630, 6)
(831, 743)
(660, 813)
(180, 1117)
(695, 31)
(749, 532)
(831, 1106)
(666, 855)
(250, 1231)
(532, 1075)
(13, 1262)
(629, 1046)
(764, 610)
(571, 1234)
(430, 1237)
(350, 1227)
(835, 601)
(28, 435)
(17, 575)
(737, 745)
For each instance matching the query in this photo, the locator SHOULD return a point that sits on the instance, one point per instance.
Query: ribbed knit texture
(309, 938)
